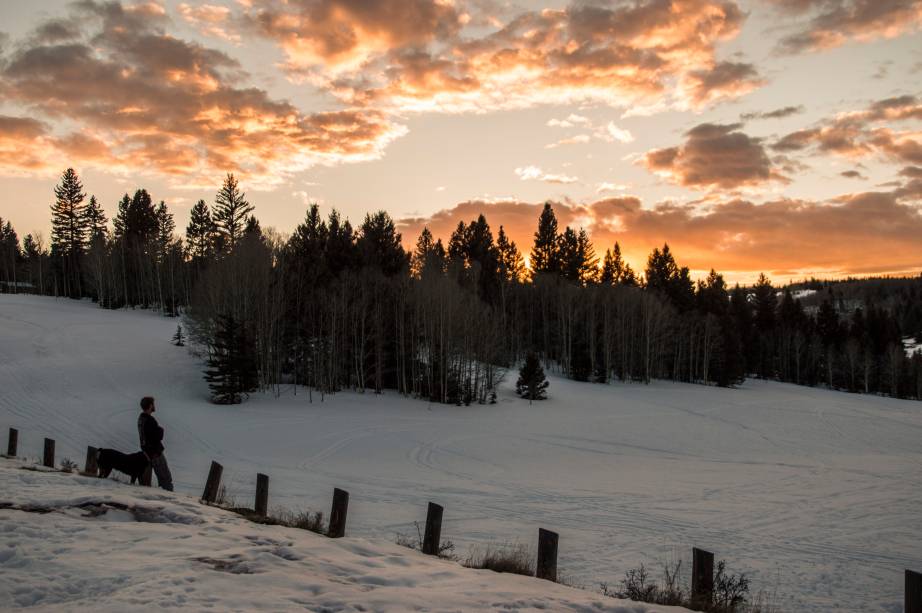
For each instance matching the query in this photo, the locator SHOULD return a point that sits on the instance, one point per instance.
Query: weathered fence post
(547, 555)
(213, 482)
(11, 447)
(702, 575)
(48, 459)
(338, 514)
(433, 535)
(90, 467)
(913, 602)
(262, 494)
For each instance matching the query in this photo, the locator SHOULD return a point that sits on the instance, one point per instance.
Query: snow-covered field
(815, 493)
(80, 543)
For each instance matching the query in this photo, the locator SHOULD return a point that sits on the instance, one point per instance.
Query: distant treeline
(335, 307)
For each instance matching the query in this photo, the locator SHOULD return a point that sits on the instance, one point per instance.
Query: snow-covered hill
(79, 543)
(815, 493)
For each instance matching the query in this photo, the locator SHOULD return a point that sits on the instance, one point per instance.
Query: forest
(334, 307)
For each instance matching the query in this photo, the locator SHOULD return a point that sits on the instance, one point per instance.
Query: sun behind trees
(335, 307)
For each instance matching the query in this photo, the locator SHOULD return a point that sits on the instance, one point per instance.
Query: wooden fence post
(338, 514)
(913, 602)
(48, 459)
(262, 494)
(433, 535)
(702, 575)
(547, 555)
(12, 446)
(90, 467)
(213, 482)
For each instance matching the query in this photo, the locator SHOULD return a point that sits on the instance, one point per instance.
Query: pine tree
(511, 264)
(179, 339)
(69, 230)
(231, 211)
(165, 228)
(615, 271)
(68, 217)
(545, 254)
(200, 233)
(96, 222)
(231, 372)
(425, 244)
(532, 383)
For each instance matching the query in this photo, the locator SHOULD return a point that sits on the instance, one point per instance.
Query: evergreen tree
(532, 383)
(200, 233)
(379, 244)
(96, 222)
(339, 251)
(511, 264)
(69, 231)
(231, 211)
(69, 225)
(428, 255)
(179, 339)
(231, 372)
(615, 271)
(165, 228)
(545, 254)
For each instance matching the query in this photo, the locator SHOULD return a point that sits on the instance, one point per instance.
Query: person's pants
(162, 470)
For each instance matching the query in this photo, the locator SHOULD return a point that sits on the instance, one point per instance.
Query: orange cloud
(417, 55)
(169, 106)
(714, 155)
(737, 237)
(860, 133)
(836, 22)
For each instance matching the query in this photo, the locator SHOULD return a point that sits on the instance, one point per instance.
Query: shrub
(446, 548)
(730, 595)
(68, 465)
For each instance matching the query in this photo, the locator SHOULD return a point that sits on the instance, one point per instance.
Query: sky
(776, 136)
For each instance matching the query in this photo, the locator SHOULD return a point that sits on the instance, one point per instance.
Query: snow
(911, 346)
(813, 492)
(81, 543)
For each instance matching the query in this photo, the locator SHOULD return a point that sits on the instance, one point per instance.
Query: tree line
(332, 307)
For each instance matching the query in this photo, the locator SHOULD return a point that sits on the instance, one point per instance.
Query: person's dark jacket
(151, 435)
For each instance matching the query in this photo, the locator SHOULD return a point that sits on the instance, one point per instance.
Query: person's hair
(147, 402)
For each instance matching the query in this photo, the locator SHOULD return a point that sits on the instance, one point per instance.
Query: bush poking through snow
(446, 548)
(506, 558)
(303, 520)
(68, 465)
(731, 591)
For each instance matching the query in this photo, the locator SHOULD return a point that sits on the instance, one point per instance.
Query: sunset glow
(782, 136)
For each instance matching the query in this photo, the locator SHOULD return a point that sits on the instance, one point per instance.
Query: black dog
(134, 465)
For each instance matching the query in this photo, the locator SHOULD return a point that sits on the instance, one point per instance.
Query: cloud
(725, 80)
(533, 173)
(714, 156)
(210, 20)
(775, 114)
(169, 106)
(603, 187)
(861, 133)
(343, 35)
(852, 174)
(579, 139)
(419, 55)
(737, 237)
(572, 120)
(836, 22)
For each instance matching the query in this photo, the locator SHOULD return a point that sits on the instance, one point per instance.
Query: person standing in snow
(151, 435)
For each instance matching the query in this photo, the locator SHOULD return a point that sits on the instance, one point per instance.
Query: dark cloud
(714, 155)
(861, 133)
(776, 114)
(835, 22)
(852, 174)
(724, 80)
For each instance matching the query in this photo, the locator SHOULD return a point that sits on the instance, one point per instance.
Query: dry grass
(503, 558)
